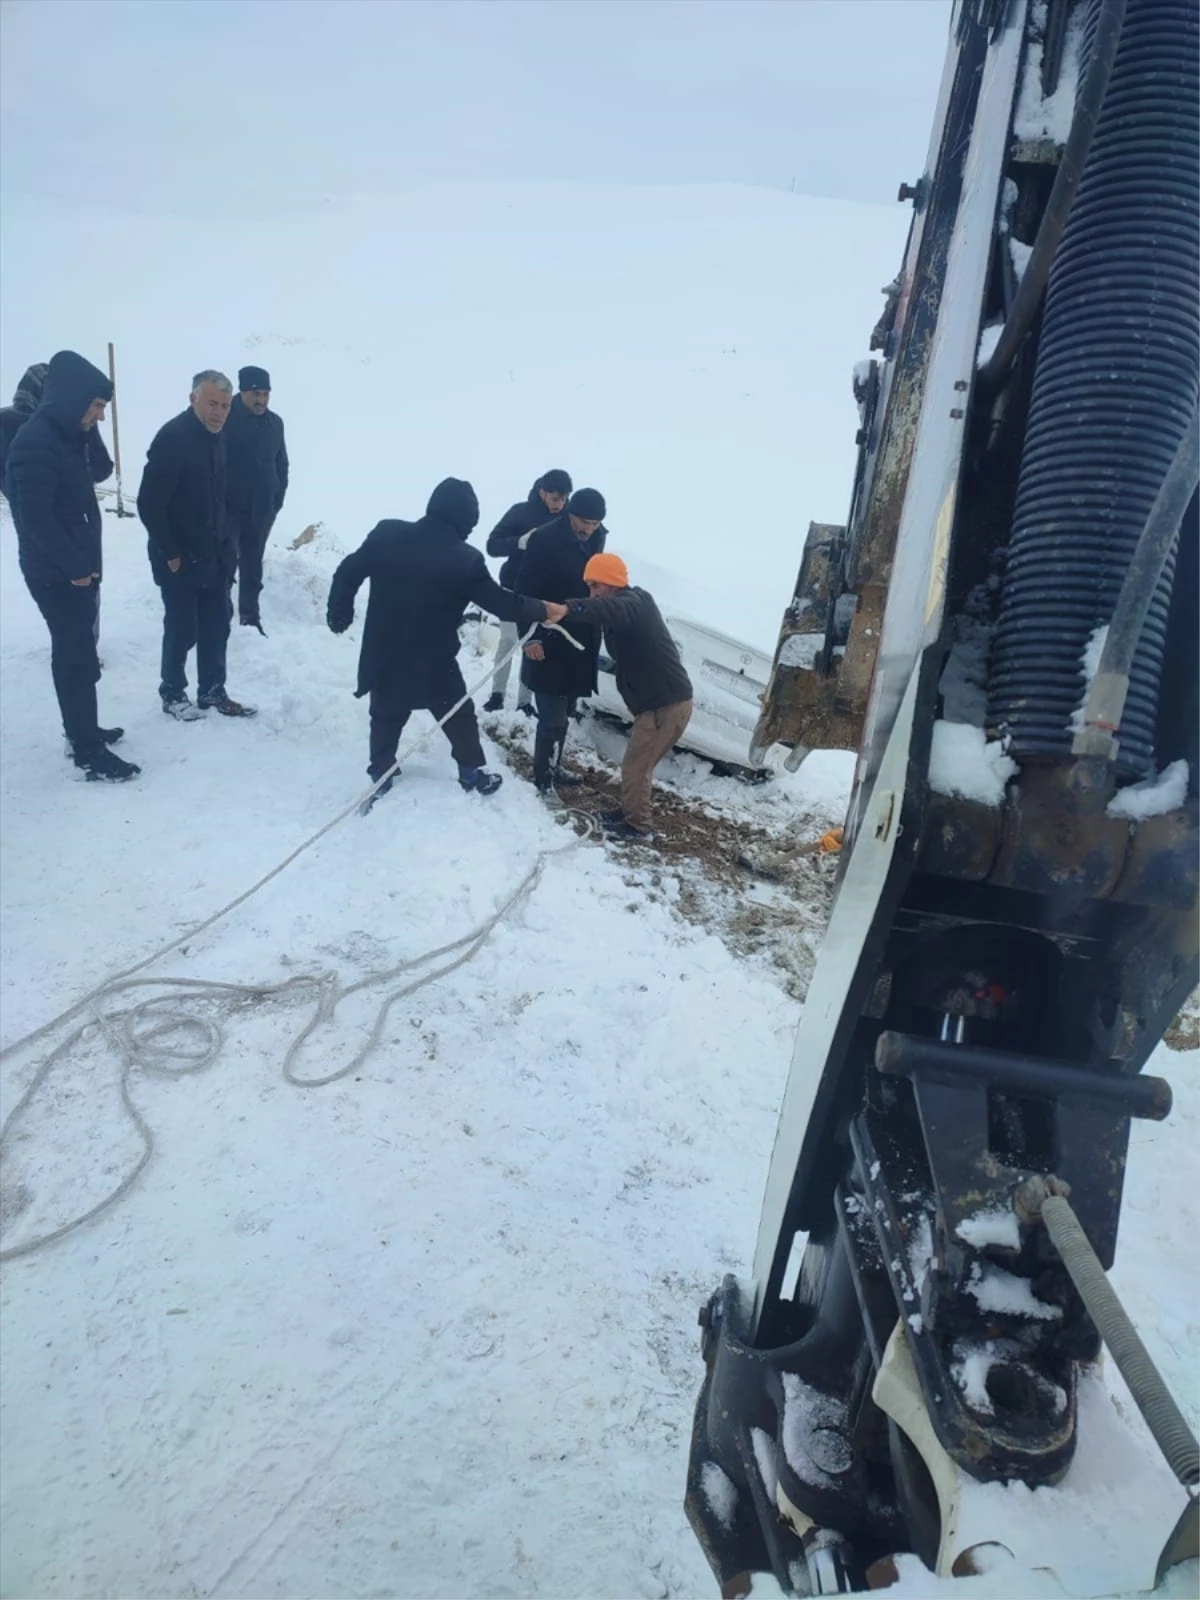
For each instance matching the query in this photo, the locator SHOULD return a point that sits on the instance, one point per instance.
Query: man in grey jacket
(650, 677)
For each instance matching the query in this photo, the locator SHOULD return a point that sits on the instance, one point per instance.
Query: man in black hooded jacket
(25, 401)
(423, 576)
(49, 486)
(545, 500)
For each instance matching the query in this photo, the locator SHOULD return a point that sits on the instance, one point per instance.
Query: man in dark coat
(49, 486)
(545, 500)
(650, 678)
(557, 672)
(423, 576)
(26, 400)
(192, 553)
(256, 481)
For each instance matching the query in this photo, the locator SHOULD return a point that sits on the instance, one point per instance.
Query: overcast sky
(260, 106)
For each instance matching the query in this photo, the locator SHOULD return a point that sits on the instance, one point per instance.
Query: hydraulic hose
(1106, 697)
(1114, 390)
(1038, 1197)
(1054, 219)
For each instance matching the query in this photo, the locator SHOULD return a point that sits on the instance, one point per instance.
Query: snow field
(447, 1305)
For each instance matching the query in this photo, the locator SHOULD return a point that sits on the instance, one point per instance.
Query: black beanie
(556, 481)
(588, 505)
(253, 378)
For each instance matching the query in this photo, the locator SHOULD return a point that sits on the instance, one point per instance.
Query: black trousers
(70, 615)
(553, 717)
(393, 702)
(252, 534)
(197, 608)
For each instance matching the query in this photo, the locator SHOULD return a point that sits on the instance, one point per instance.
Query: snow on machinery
(1006, 630)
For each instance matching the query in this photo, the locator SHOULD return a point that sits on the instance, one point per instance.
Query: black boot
(101, 766)
(494, 702)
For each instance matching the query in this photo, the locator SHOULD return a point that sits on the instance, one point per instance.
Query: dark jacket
(504, 539)
(256, 464)
(182, 498)
(650, 674)
(49, 477)
(26, 400)
(423, 577)
(552, 569)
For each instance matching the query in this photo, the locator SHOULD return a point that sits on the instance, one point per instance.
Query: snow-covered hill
(688, 351)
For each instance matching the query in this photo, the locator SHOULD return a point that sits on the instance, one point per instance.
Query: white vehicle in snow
(728, 679)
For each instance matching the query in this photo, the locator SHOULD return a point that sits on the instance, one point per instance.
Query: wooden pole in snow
(112, 374)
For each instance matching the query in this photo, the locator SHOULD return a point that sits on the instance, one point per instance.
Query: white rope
(154, 1039)
(203, 927)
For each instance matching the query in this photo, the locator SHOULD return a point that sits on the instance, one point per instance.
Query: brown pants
(654, 732)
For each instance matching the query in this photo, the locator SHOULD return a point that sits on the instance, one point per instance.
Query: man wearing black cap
(545, 500)
(49, 486)
(256, 479)
(557, 672)
(423, 576)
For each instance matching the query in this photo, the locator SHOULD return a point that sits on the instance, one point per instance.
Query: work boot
(479, 781)
(101, 766)
(227, 707)
(527, 708)
(388, 782)
(105, 735)
(494, 702)
(624, 830)
(182, 709)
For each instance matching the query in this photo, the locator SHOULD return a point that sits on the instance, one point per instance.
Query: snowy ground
(429, 1331)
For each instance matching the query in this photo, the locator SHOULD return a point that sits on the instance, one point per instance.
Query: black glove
(338, 623)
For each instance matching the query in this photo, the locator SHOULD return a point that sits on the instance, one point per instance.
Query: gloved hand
(339, 622)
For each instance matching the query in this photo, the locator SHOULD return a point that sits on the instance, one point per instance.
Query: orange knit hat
(609, 569)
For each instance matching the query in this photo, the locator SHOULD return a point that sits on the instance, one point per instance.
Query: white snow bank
(989, 338)
(970, 1370)
(990, 1228)
(1089, 666)
(720, 1493)
(1037, 117)
(963, 763)
(1006, 1294)
(1153, 797)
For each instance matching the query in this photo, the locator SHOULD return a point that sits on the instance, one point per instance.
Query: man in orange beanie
(650, 677)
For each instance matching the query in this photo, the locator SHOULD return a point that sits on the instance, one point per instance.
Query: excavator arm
(1006, 630)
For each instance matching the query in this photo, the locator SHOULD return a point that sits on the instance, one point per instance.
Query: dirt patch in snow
(765, 892)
